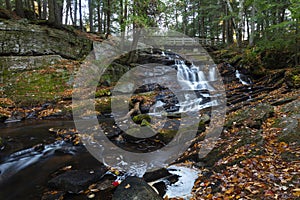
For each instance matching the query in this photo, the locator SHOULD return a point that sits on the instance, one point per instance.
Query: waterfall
(194, 81)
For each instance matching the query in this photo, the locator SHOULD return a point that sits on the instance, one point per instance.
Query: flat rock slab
(76, 180)
(133, 188)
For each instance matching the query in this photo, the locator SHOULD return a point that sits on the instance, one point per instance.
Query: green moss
(102, 92)
(37, 86)
(138, 119)
(145, 123)
(103, 105)
(167, 135)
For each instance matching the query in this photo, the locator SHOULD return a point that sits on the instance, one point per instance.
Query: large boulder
(76, 180)
(134, 188)
(24, 39)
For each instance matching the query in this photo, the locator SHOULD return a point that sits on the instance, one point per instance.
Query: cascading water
(193, 80)
(242, 78)
(22, 159)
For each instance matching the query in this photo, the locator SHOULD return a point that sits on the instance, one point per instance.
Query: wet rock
(157, 174)
(39, 147)
(76, 180)
(2, 143)
(227, 72)
(16, 116)
(252, 117)
(134, 188)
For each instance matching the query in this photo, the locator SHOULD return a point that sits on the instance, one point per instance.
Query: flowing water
(33, 154)
(26, 165)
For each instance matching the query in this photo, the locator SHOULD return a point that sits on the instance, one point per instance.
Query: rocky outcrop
(24, 39)
(28, 62)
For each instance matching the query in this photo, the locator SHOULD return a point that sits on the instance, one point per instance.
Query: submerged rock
(134, 188)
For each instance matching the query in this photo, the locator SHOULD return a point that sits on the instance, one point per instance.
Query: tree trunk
(108, 18)
(68, 8)
(39, 9)
(297, 56)
(99, 16)
(55, 12)
(91, 15)
(252, 34)
(44, 6)
(8, 5)
(75, 12)
(80, 16)
(19, 8)
(51, 6)
(33, 9)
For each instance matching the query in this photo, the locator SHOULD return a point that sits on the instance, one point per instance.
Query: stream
(26, 166)
(33, 155)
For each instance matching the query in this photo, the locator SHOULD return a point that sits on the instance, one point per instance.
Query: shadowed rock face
(23, 39)
(134, 188)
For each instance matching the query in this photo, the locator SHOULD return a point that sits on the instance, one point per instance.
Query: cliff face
(21, 42)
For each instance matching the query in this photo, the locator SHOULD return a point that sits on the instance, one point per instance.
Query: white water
(21, 159)
(191, 78)
(242, 78)
(183, 187)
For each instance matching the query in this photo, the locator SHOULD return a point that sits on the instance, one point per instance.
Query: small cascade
(243, 78)
(158, 107)
(22, 159)
(196, 84)
(192, 78)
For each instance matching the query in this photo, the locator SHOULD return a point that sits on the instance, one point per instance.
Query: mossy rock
(102, 92)
(166, 135)
(145, 123)
(138, 119)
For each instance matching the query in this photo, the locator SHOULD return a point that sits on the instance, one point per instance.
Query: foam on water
(183, 187)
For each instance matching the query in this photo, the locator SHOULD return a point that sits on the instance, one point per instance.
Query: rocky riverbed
(256, 156)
